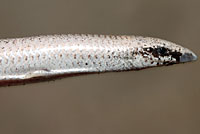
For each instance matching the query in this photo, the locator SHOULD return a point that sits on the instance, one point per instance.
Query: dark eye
(159, 51)
(162, 51)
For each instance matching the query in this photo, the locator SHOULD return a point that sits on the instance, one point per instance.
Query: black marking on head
(176, 55)
(159, 51)
(162, 51)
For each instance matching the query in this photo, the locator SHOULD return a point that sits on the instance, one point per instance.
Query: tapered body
(45, 56)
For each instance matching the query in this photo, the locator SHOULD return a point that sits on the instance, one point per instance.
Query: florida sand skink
(23, 59)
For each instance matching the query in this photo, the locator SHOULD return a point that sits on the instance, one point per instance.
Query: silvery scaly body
(46, 56)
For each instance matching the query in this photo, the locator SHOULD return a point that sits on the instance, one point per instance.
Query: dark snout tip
(188, 57)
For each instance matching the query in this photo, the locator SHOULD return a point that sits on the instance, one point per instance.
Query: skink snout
(188, 56)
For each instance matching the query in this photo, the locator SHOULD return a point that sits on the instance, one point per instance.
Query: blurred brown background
(161, 100)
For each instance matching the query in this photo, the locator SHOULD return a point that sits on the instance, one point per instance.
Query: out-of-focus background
(160, 100)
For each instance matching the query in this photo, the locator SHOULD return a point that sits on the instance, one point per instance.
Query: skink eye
(159, 51)
(162, 51)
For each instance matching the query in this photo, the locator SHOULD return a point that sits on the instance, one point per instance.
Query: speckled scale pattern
(43, 56)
